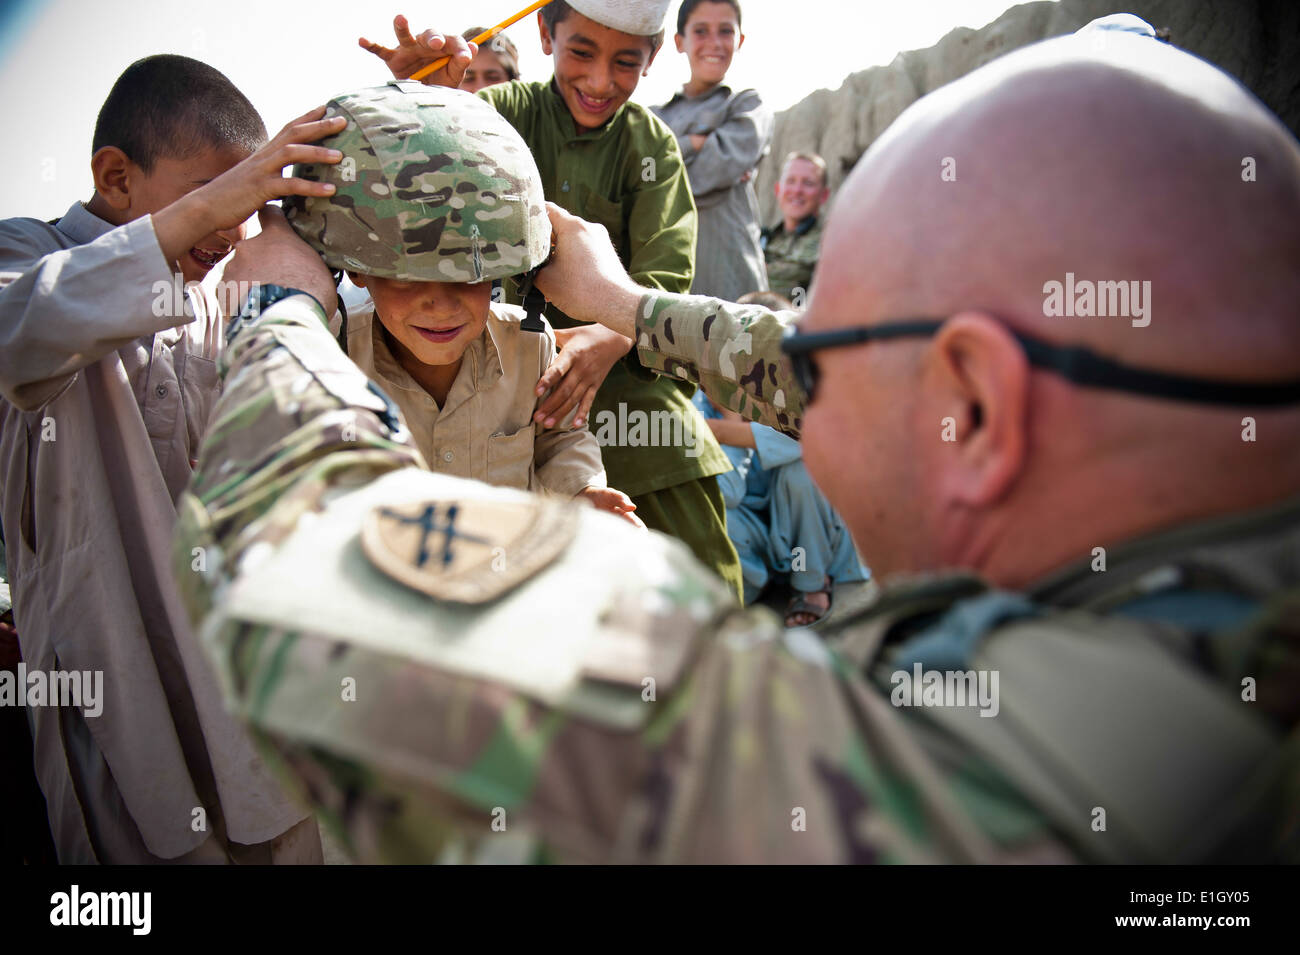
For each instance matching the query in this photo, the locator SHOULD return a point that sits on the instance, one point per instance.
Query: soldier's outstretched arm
(732, 351)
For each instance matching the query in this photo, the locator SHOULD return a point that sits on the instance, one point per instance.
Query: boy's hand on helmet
(586, 356)
(414, 52)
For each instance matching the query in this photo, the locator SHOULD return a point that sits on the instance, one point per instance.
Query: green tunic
(629, 177)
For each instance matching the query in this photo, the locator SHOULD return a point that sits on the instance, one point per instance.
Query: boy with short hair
(106, 382)
(614, 162)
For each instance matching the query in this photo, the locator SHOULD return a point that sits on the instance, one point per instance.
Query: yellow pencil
(480, 39)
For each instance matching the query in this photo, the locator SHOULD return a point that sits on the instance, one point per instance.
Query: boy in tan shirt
(427, 215)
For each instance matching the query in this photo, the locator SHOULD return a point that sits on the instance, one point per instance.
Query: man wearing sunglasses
(1089, 526)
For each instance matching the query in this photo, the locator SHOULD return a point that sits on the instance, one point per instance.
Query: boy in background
(722, 133)
(495, 62)
(106, 381)
(610, 161)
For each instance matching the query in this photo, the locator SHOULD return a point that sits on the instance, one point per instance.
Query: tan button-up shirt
(485, 431)
(106, 384)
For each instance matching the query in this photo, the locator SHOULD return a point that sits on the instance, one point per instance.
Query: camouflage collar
(1248, 552)
(806, 225)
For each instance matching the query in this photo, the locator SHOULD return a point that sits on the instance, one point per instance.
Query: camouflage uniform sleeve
(296, 419)
(731, 351)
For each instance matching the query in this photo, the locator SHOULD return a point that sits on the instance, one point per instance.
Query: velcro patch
(467, 551)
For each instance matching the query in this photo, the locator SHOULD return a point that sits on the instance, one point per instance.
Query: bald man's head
(1004, 201)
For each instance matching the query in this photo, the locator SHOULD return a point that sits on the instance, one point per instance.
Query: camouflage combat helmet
(434, 186)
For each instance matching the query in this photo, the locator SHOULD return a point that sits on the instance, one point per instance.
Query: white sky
(58, 59)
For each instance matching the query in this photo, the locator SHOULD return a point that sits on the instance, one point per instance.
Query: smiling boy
(722, 133)
(614, 162)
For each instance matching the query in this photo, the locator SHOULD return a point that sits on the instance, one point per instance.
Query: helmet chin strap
(534, 300)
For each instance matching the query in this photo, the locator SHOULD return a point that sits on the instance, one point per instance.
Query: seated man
(460, 367)
(780, 523)
(791, 247)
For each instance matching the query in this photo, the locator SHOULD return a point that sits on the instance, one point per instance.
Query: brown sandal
(799, 604)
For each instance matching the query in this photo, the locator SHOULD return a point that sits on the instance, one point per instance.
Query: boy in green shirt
(612, 162)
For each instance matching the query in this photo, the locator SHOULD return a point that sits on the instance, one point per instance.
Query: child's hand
(413, 53)
(227, 201)
(614, 501)
(586, 356)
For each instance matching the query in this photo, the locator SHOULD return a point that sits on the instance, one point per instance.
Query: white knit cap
(638, 17)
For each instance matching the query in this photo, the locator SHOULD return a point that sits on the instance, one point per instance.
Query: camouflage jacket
(792, 258)
(545, 683)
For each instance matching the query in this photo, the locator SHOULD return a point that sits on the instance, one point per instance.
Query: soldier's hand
(612, 500)
(586, 356)
(414, 52)
(276, 256)
(584, 277)
(226, 202)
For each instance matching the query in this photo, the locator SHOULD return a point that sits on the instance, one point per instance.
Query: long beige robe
(105, 389)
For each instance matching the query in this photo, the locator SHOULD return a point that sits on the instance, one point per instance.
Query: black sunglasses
(1074, 363)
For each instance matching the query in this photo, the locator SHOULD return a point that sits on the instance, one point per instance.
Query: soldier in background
(791, 246)
(1120, 500)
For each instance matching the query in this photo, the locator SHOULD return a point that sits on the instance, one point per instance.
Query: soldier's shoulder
(534, 597)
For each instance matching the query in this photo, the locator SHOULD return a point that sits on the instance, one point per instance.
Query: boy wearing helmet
(436, 198)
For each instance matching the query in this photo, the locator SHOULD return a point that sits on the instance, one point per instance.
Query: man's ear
(357, 279)
(545, 34)
(980, 378)
(112, 171)
(826, 196)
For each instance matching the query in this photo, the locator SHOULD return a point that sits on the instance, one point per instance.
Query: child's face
(433, 321)
(712, 38)
(596, 68)
(172, 178)
(484, 70)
